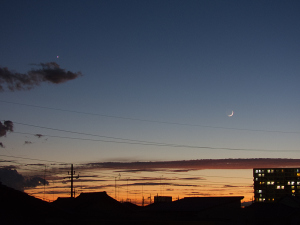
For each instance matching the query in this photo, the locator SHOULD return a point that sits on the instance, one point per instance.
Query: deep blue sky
(189, 62)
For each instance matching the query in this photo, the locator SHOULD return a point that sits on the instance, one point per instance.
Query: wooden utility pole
(72, 173)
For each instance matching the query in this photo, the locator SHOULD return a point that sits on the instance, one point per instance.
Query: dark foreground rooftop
(99, 208)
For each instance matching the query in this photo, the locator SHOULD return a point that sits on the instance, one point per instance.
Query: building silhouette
(272, 184)
(162, 199)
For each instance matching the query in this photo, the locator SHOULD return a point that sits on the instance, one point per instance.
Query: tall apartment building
(271, 184)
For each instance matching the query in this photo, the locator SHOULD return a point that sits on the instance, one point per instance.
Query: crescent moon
(231, 114)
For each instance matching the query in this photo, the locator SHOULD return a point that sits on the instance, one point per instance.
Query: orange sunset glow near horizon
(136, 182)
(133, 187)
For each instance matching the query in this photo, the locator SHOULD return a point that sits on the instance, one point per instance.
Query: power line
(87, 134)
(150, 121)
(158, 144)
(41, 160)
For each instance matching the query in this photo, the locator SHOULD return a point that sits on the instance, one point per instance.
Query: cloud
(35, 164)
(200, 164)
(136, 170)
(180, 171)
(192, 178)
(11, 178)
(147, 183)
(5, 127)
(229, 186)
(169, 189)
(35, 181)
(49, 72)
(39, 135)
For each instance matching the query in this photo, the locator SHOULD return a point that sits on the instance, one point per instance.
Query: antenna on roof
(119, 176)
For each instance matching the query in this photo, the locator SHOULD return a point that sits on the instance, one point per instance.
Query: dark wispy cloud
(11, 178)
(136, 170)
(6, 126)
(180, 171)
(229, 186)
(148, 184)
(192, 178)
(48, 72)
(35, 164)
(185, 166)
(39, 135)
(35, 181)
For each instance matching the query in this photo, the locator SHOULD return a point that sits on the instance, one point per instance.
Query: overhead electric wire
(158, 144)
(34, 159)
(87, 134)
(150, 121)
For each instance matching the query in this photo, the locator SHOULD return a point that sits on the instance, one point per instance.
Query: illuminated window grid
(271, 184)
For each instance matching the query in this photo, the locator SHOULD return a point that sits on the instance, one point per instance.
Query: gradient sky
(157, 71)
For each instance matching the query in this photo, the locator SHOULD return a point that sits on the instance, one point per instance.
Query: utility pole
(72, 173)
(143, 195)
(45, 182)
(116, 188)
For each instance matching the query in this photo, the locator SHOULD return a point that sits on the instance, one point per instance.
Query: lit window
(282, 187)
(293, 187)
(278, 187)
(263, 175)
(289, 182)
(293, 191)
(268, 182)
(259, 175)
(292, 182)
(272, 182)
(298, 182)
(298, 174)
(256, 171)
(256, 179)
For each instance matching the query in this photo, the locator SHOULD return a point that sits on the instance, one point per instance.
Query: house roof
(196, 203)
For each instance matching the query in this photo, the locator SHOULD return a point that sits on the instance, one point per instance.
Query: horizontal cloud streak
(187, 165)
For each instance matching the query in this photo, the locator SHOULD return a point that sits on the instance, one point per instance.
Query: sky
(137, 81)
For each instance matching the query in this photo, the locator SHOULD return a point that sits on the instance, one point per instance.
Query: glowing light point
(57, 56)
